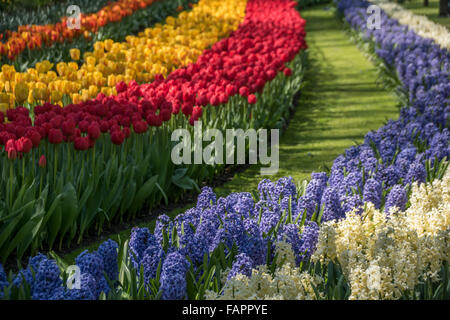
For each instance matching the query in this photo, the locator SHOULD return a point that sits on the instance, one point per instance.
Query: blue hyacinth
(47, 280)
(372, 192)
(108, 251)
(241, 265)
(397, 197)
(173, 277)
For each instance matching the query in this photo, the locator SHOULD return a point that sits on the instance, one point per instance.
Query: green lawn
(339, 104)
(431, 12)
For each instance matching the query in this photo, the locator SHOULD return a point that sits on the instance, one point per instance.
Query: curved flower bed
(116, 31)
(36, 36)
(111, 62)
(14, 16)
(80, 189)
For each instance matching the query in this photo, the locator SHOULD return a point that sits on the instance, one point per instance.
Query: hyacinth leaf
(289, 217)
(122, 258)
(331, 277)
(303, 215)
(206, 284)
(175, 238)
(62, 264)
(191, 286)
(319, 218)
(314, 216)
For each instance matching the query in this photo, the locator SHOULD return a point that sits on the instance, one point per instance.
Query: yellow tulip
(8, 86)
(4, 98)
(4, 107)
(30, 97)
(99, 46)
(75, 54)
(9, 72)
(56, 96)
(93, 91)
(73, 66)
(90, 60)
(106, 91)
(111, 80)
(76, 98)
(108, 44)
(61, 68)
(21, 92)
(44, 66)
(36, 94)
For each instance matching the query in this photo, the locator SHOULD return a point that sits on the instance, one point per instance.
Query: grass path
(339, 104)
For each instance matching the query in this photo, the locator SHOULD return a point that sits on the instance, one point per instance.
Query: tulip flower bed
(140, 19)
(14, 16)
(36, 36)
(157, 50)
(65, 169)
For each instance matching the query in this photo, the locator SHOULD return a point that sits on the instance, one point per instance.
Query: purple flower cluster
(173, 276)
(43, 276)
(3, 281)
(242, 265)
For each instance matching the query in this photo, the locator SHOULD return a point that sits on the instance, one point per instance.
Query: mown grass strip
(339, 104)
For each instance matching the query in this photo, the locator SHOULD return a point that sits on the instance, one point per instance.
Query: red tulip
(186, 108)
(24, 145)
(94, 131)
(81, 143)
(121, 87)
(243, 91)
(55, 136)
(287, 72)
(251, 99)
(140, 126)
(11, 149)
(197, 113)
(68, 127)
(42, 161)
(117, 137)
(126, 132)
(34, 136)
